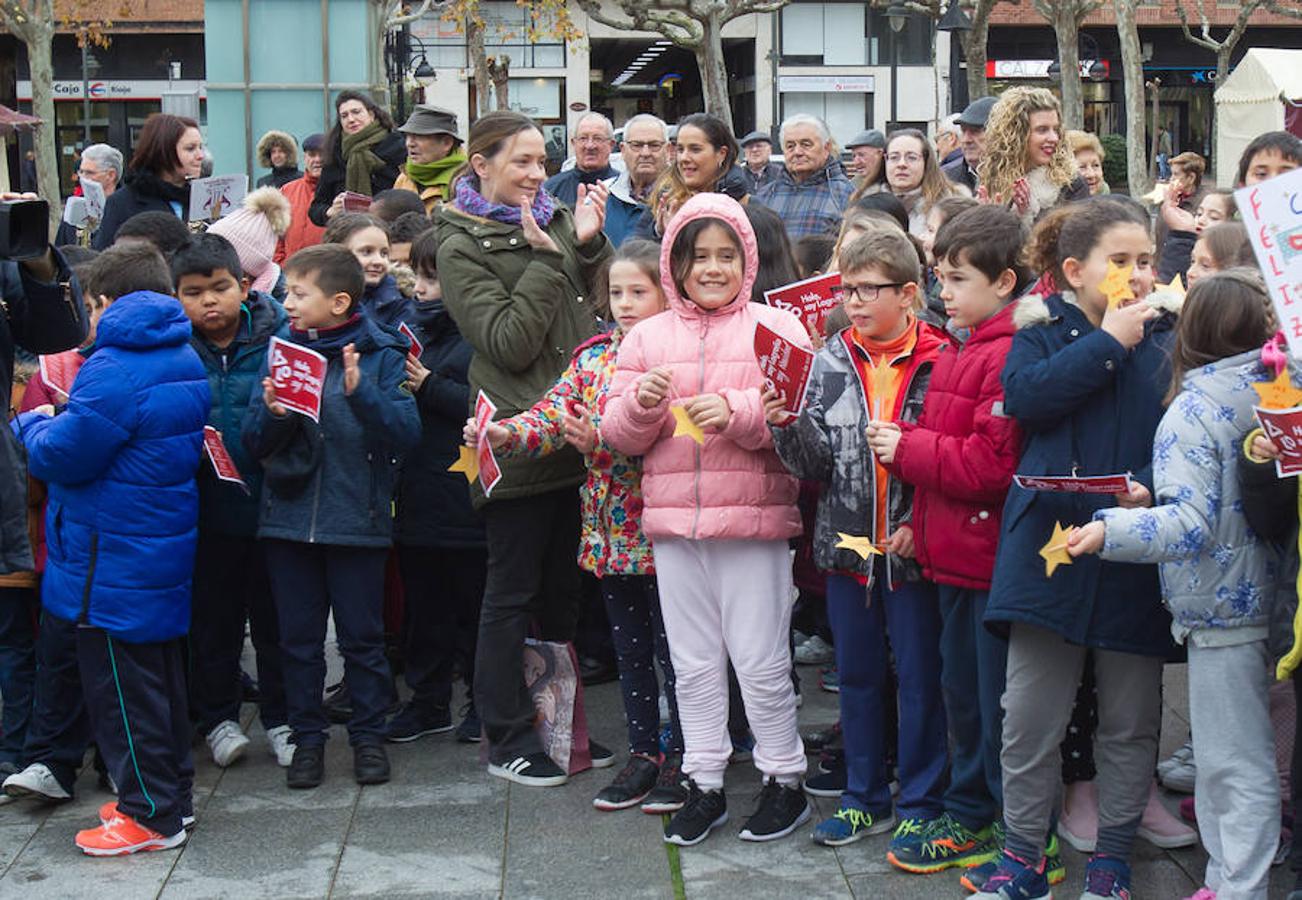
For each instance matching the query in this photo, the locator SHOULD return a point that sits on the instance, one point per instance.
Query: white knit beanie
(253, 230)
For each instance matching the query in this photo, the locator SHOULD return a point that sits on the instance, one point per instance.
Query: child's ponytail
(1072, 230)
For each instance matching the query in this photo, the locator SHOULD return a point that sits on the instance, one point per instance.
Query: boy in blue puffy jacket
(326, 514)
(121, 530)
(232, 326)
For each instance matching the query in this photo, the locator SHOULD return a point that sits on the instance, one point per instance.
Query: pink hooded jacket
(734, 487)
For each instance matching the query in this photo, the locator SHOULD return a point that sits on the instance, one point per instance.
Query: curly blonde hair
(1003, 161)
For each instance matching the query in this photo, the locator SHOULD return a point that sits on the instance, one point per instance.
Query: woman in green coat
(517, 271)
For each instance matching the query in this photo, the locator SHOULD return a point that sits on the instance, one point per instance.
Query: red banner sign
(215, 449)
(785, 365)
(298, 376)
(1284, 428)
(416, 345)
(812, 299)
(1075, 484)
(59, 370)
(489, 472)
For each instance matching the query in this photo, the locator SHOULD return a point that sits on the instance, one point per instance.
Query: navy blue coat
(564, 186)
(434, 504)
(235, 377)
(385, 303)
(348, 499)
(1087, 405)
(120, 464)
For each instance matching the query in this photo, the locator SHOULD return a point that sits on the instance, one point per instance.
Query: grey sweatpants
(1044, 672)
(1236, 791)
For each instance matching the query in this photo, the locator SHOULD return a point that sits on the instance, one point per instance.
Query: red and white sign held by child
(215, 449)
(812, 299)
(785, 365)
(298, 377)
(1272, 212)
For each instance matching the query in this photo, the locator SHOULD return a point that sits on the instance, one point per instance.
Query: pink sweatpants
(721, 600)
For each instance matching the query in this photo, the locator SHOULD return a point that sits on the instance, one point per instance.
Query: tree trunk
(41, 59)
(479, 64)
(974, 52)
(1132, 64)
(1222, 72)
(714, 76)
(1066, 28)
(499, 69)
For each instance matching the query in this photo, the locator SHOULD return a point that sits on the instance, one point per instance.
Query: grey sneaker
(36, 781)
(227, 743)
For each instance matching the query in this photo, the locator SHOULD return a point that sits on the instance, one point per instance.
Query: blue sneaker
(1015, 879)
(1106, 878)
(1055, 871)
(850, 824)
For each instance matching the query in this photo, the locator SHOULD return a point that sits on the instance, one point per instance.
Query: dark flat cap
(870, 138)
(977, 113)
(314, 143)
(755, 137)
(431, 120)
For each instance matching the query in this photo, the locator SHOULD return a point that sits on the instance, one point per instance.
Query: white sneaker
(1177, 773)
(36, 781)
(281, 746)
(814, 652)
(227, 743)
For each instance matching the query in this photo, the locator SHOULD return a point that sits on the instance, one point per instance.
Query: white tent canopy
(1252, 100)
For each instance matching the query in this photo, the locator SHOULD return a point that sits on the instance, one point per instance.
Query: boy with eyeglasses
(874, 371)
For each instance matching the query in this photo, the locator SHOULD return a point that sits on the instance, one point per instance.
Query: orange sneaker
(121, 835)
(110, 810)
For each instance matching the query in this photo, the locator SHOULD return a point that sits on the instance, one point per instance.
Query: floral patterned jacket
(611, 499)
(1216, 572)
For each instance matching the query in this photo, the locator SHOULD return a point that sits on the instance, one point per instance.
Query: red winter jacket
(961, 456)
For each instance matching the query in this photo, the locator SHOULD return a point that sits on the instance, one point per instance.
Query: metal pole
(248, 91)
(895, 71)
(85, 94)
(325, 65)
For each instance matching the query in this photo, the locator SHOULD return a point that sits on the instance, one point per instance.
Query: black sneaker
(828, 784)
(307, 769)
(670, 792)
(781, 810)
(338, 703)
(370, 764)
(602, 756)
(413, 722)
(470, 729)
(823, 739)
(533, 770)
(633, 782)
(703, 812)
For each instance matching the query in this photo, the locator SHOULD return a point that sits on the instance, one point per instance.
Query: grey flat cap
(870, 138)
(977, 113)
(755, 137)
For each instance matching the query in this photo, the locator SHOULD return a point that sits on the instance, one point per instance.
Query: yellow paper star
(1278, 394)
(467, 463)
(1116, 285)
(683, 425)
(1175, 285)
(861, 545)
(1055, 552)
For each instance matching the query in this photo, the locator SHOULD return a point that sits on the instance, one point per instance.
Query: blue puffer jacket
(385, 303)
(1216, 573)
(1085, 405)
(348, 498)
(120, 464)
(233, 375)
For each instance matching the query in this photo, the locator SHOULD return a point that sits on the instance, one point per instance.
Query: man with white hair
(949, 138)
(593, 141)
(646, 156)
(812, 191)
(101, 164)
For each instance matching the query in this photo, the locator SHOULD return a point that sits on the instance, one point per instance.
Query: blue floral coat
(1216, 572)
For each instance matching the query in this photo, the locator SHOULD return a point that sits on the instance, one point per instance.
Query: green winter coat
(524, 311)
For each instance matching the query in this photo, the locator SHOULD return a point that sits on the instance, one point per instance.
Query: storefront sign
(1036, 68)
(827, 84)
(128, 89)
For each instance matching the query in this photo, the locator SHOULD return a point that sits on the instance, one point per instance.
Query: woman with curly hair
(1027, 165)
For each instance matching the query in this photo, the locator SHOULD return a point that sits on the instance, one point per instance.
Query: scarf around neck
(469, 200)
(360, 159)
(437, 173)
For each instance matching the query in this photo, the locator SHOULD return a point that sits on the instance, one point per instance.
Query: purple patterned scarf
(469, 200)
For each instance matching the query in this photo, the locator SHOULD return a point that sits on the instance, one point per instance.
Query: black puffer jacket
(434, 504)
(140, 192)
(393, 150)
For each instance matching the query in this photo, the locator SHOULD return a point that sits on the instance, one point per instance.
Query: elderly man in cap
(433, 154)
(812, 192)
(593, 142)
(866, 149)
(972, 123)
(646, 157)
(757, 148)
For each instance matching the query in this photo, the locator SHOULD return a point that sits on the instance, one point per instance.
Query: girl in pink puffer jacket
(719, 511)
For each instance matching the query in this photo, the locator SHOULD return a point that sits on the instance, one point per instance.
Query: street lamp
(397, 56)
(897, 14)
(953, 21)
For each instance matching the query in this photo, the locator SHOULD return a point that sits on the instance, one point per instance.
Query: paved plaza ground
(443, 828)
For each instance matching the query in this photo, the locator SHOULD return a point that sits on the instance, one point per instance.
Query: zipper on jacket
(90, 578)
(696, 481)
(316, 504)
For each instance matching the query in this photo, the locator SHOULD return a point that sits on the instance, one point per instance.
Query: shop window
(848, 34)
(537, 98)
(845, 114)
(505, 34)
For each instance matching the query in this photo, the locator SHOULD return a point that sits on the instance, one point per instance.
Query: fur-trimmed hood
(277, 137)
(1034, 310)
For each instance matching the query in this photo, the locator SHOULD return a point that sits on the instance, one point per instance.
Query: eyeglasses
(910, 158)
(865, 293)
(639, 146)
(591, 141)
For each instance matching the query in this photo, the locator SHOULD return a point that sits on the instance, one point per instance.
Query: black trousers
(231, 584)
(309, 582)
(442, 590)
(135, 694)
(18, 611)
(59, 731)
(532, 575)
